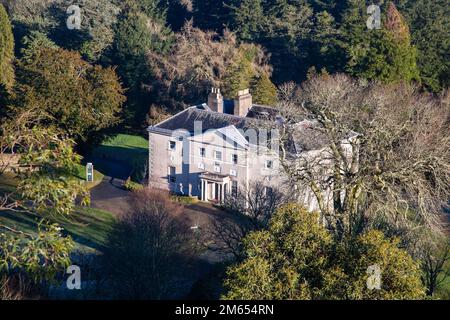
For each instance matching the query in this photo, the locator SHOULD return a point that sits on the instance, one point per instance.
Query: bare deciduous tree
(149, 251)
(249, 210)
(386, 154)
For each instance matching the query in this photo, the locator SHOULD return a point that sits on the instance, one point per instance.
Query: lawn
(122, 156)
(88, 227)
(81, 174)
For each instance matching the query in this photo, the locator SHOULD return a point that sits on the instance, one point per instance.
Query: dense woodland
(134, 62)
(168, 53)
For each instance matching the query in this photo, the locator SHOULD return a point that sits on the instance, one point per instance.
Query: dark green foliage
(384, 54)
(138, 34)
(75, 96)
(429, 21)
(297, 258)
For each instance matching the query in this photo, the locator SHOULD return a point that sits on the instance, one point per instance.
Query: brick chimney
(242, 103)
(215, 100)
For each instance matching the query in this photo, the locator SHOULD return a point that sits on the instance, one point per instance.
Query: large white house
(210, 150)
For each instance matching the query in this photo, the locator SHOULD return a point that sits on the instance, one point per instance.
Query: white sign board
(89, 172)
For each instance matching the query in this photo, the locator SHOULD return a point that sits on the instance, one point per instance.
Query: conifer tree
(385, 54)
(264, 91)
(6, 50)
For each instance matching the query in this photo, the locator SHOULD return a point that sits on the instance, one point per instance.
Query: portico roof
(216, 177)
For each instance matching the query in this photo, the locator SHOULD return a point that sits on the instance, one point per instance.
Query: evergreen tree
(385, 54)
(430, 33)
(76, 97)
(297, 258)
(264, 91)
(248, 19)
(138, 34)
(238, 77)
(6, 50)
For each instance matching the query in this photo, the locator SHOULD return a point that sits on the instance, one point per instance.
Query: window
(201, 165)
(218, 155)
(269, 164)
(234, 158)
(217, 168)
(202, 152)
(233, 173)
(171, 174)
(172, 145)
(234, 188)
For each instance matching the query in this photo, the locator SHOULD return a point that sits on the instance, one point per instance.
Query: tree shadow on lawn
(120, 162)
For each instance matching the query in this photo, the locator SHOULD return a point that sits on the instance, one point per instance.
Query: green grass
(186, 200)
(127, 141)
(81, 174)
(132, 151)
(88, 227)
(443, 291)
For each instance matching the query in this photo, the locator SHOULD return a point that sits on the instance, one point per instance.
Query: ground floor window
(171, 174)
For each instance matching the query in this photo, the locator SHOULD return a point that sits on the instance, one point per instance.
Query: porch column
(202, 190)
(222, 192)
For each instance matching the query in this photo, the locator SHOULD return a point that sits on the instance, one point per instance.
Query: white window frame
(233, 172)
(215, 155)
(201, 165)
(200, 153)
(266, 164)
(217, 168)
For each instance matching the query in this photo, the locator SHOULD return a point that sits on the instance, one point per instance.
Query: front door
(216, 192)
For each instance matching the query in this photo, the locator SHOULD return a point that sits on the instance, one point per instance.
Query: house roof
(209, 119)
(304, 137)
(234, 135)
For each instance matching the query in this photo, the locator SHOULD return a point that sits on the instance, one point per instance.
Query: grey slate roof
(304, 136)
(210, 120)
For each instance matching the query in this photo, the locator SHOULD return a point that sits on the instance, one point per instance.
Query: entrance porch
(214, 187)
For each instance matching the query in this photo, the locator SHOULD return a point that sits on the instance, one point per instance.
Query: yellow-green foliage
(297, 258)
(6, 50)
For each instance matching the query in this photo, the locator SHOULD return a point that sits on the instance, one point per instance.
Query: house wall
(250, 167)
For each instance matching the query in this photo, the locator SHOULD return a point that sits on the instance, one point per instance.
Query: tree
(76, 96)
(149, 250)
(92, 40)
(297, 258)
(6, 50)
(430, 28)
(282, 27)
(249, 210)
(264, 91)
(433, 252)
(43, 161)
(384, 157)
(200, 60)
(248, 19)
(141, 29)
(385, 54)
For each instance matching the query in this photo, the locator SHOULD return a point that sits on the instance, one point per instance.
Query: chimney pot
(215, 100)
